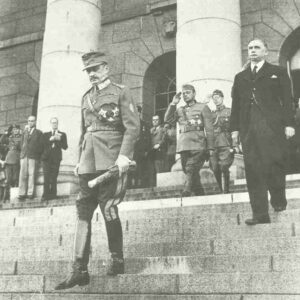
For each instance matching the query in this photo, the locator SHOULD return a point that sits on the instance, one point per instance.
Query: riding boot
(226, 181)
(115, 244)
(79, 274)
(187, 191)
(218, 176)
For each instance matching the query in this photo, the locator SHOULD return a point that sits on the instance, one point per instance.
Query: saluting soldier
(110, 128)
(223, 155)
(195, 136)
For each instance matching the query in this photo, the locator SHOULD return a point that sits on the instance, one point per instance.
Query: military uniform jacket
(193, 120)
(271, 91)
(14, 148)
(110, 126)
(221, 123)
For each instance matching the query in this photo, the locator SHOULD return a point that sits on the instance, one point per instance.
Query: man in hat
(262, 119)
(110, 128)
(222, 157)
(193, 142)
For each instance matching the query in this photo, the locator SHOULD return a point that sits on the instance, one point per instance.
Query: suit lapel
(247, 74)
(263, 71)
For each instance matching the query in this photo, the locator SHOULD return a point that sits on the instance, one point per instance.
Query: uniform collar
(191, 103)
(103, 84)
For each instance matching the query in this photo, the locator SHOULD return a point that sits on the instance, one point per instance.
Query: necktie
(254, 72)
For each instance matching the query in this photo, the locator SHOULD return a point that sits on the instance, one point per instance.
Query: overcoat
(271, 91)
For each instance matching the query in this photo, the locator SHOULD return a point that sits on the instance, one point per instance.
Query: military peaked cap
(92, 59)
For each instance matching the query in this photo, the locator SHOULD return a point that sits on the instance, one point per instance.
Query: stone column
(72, 28)
(208, 45)
(208, 55)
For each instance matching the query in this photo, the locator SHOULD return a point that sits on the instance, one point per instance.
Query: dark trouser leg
(192, 161)
(47, 172)
(276, 185)
(53, 178)
(225, 161)
(257, 189)
(214, 165)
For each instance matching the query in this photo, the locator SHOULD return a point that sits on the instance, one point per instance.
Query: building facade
(38, 73)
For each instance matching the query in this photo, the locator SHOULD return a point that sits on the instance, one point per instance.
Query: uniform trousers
(221, 159)
(27, 176)
(107, 195)
(192, 162)
(12, 174)
(264, 156)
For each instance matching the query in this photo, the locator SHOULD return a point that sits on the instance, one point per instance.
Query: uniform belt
(99, 127)
(187, 128)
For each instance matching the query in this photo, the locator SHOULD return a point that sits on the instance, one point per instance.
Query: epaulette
(120, 86)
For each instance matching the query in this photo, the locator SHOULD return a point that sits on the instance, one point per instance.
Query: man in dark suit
(54, 142)
(262, 119)
(31, 150)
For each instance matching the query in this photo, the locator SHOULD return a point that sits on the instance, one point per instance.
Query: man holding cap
(222, 157)
(110, 128)
(195, 136)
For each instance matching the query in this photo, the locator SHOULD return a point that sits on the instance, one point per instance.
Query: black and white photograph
(150, 149)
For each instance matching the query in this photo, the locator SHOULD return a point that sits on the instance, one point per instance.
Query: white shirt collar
(259, 65)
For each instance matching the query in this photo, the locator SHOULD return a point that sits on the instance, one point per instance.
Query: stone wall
(271, 20)
(134, 43)
(21, 33)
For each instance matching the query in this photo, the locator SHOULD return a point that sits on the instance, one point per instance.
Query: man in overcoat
(54, 141)
(196, 136)
(262, 119)
(110, 128)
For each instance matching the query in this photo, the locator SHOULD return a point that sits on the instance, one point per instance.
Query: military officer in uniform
(110, 128)
(195, 136)
(262, 119)
(222, 157)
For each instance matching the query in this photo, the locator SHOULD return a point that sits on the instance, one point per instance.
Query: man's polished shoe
(76, 277)
(279, 208)
(22, 197)
(261, 220)
(116, 267)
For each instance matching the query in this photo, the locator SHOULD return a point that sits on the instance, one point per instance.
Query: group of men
(261, 119)
(36, 146)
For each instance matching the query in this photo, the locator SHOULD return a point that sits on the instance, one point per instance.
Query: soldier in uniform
(195, 136)
(110, 128)
(222, 157)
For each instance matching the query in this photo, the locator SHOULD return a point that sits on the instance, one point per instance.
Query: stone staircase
(175, 248)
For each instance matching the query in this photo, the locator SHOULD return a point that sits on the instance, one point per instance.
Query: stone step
(86, 296)
(209, 283)
(250, 246)
(78, 296)
(159, 230)
(147, 210)
(164, 265)
(276, 282)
